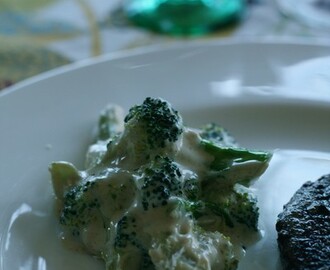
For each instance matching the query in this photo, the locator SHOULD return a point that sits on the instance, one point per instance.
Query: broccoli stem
(233, 165)
(225, 157)
(111, 122)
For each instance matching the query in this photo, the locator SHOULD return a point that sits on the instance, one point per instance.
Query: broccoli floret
(152, 128)
(197, 249)
(243, 207)
(161, 180)
(218, 135)
(232, 206)
(192, 188)
(77, 209)
(90, 206)
(201, 208)
(110, 196)
(80, 207)
(157, 119)
(216, 193)
(126, 232)
(225, 191)
(110, 126)
(127, 241)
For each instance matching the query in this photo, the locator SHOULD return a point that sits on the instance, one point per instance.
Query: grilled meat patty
(304, 227)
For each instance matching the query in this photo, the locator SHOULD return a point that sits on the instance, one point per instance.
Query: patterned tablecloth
(39, 35)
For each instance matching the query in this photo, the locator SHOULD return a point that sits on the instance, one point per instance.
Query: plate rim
(158, 48)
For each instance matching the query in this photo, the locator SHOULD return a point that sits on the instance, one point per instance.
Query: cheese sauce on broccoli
(157, 194)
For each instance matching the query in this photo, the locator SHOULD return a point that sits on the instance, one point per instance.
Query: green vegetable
(218, 135)
(161, 181)
(127, 242)
(157, 194)
(191, 250)
(232, 206)
(151, 129)
(110, 122)
(64, 175)
(159, 122)
(110, 125)
(226, 157)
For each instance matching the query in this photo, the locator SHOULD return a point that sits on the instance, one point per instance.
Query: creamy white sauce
(194, 158)
(30, 241)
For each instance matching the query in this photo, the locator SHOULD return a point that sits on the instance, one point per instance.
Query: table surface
(39, 35)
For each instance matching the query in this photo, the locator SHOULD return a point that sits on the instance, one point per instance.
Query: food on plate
(157, 194)
(304, 227)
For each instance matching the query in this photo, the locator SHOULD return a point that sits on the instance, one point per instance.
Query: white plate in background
(268, 95)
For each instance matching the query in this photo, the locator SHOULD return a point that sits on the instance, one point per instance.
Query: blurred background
(39, 35)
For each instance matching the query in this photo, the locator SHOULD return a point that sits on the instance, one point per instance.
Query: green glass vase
(183, 17)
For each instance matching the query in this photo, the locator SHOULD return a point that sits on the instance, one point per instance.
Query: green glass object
(183, 17)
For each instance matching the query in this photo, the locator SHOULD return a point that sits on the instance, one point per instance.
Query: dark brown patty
(304, 227)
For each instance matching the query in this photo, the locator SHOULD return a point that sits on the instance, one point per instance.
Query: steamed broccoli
(163, 187)
(80, 206)
(80, 215)
(160, 181)
(192, 188)
(111, 122)
(228, 159)
(196, 250)
(161, 191)
(127, 242)
(87, 207)
(110, 125)
(218, 135)
(231, 207)
(159, 195)
(157, 119)
(243, 207)
(152, 128)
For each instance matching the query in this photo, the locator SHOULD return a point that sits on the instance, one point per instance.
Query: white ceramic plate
(269, 95)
